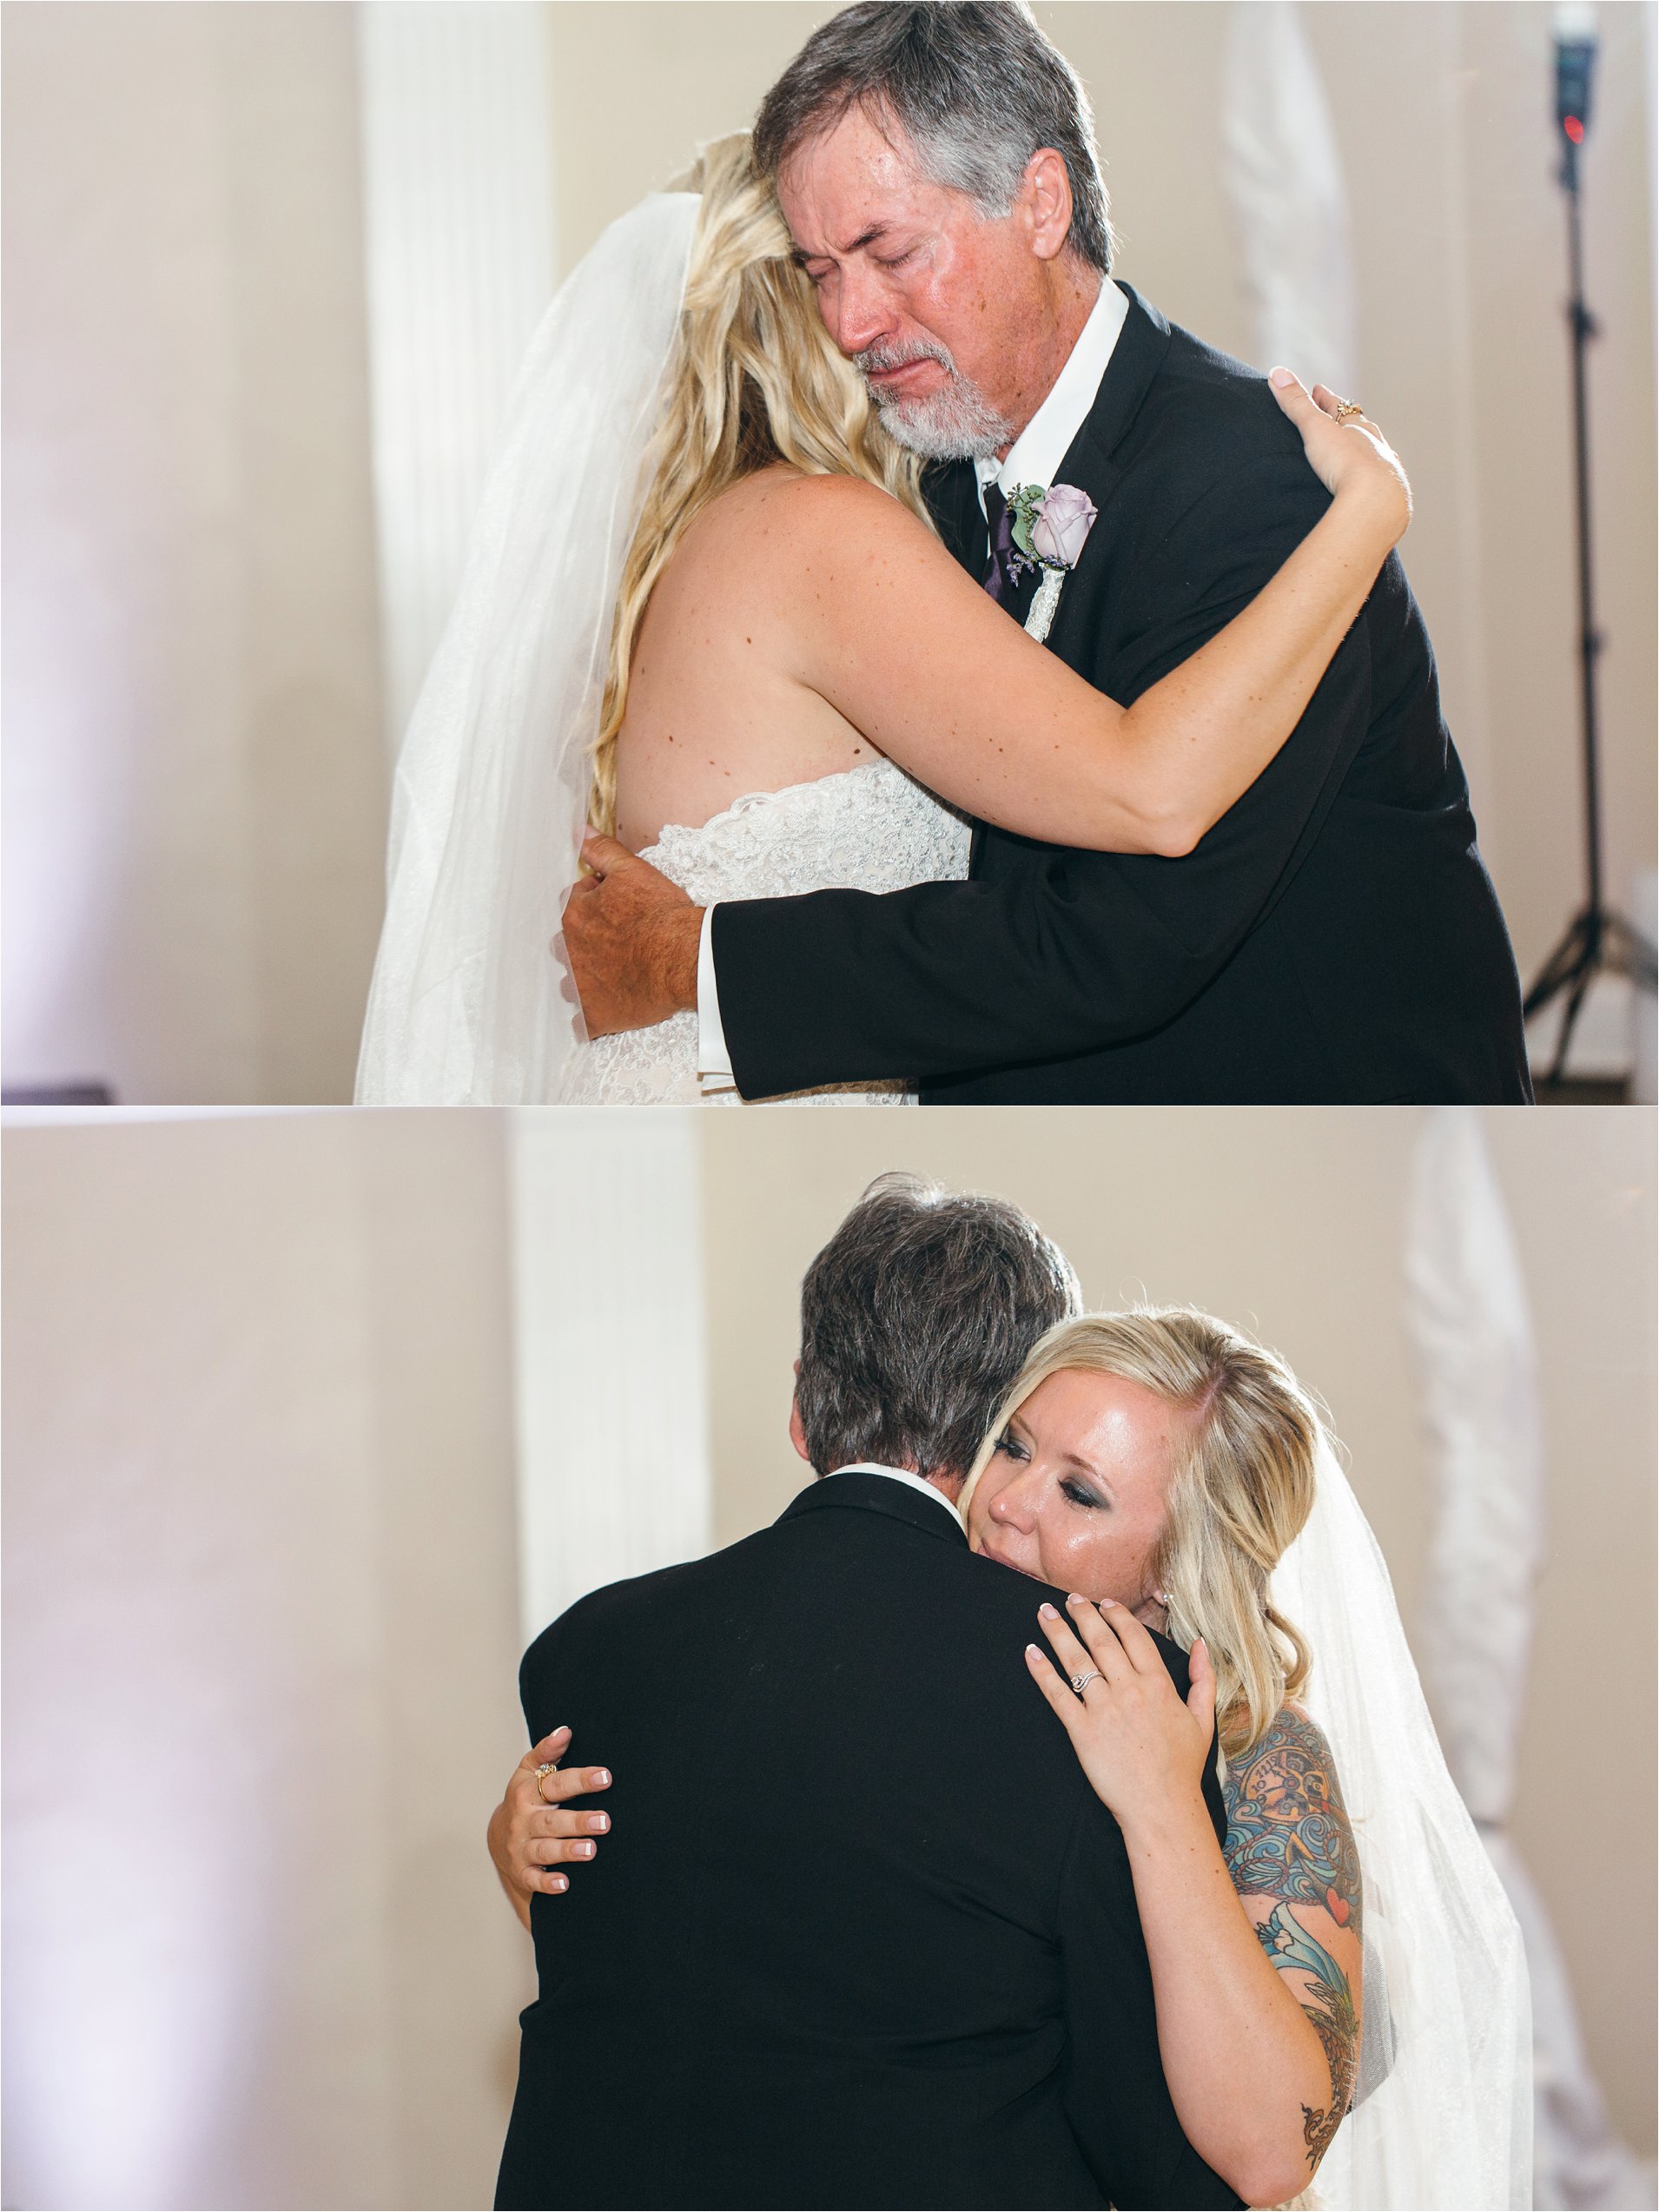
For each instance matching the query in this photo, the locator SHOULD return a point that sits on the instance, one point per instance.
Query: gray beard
(957, 423)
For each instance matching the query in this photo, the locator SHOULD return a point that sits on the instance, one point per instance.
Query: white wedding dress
(869, 828)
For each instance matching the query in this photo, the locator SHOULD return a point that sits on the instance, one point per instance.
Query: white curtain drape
(612, 1390)
(1282, 173)
(1468, 1318)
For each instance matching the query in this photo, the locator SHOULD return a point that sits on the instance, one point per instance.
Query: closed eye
(1081, 1494)
(1009, 1445)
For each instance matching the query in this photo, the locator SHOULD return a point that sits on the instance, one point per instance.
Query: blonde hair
(755, 378)
(1242, 1488)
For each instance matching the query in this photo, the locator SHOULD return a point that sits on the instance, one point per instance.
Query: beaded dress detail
(869, 828)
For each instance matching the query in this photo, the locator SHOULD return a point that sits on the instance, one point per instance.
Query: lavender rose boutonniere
(1049, 528)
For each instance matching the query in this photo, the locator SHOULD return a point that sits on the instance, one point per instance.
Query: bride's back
(714, 710)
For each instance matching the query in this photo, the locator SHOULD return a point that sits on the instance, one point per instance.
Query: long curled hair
(1243, 1487)
(755, 378)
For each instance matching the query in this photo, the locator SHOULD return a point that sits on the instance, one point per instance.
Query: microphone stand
(1598, 940)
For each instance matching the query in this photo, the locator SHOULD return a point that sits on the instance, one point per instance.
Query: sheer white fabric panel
(459, 212)
(1468, 1316)
(1283, 175)
(612, 1388)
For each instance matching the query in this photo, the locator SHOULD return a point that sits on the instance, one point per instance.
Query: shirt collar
(898, 1475)
(1046, 441)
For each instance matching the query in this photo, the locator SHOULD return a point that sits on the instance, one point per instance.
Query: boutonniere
(1049, 528)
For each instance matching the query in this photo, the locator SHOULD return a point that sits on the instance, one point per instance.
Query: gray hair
(915, 1318)
(974, 86)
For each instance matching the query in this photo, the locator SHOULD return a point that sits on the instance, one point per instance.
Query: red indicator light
(1573, 129)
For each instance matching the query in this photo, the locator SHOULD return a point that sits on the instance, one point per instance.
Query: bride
(1340, 1992)
(690, 469)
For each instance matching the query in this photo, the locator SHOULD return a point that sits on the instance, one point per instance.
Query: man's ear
(1045, 198)
(797, 1434)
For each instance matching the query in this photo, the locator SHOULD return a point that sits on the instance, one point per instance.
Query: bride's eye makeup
(1081, 1494)
(1010, 1446)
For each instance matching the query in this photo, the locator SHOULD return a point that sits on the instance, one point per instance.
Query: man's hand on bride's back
(1351, 457)
(533, 1831)
(631, 938)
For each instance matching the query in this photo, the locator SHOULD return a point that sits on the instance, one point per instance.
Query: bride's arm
(1258, 2008)
(895, 634)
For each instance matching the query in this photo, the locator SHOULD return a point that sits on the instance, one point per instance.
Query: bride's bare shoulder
(780, 513)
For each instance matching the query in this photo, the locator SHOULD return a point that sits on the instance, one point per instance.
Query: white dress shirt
(898, 1475)
(1033, 458)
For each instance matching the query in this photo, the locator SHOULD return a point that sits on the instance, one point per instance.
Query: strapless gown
(869, 828)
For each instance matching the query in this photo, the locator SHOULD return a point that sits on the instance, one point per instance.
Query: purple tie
(1002, 529)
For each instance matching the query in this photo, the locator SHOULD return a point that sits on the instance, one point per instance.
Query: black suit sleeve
(1117, 2102)
(1074, 951)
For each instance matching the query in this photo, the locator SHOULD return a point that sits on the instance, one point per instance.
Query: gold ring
(1348, 407)
(547, 1767)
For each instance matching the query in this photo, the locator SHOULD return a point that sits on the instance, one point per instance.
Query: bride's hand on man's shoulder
(534, 1831)
(1351, 457)
(1143, 1747)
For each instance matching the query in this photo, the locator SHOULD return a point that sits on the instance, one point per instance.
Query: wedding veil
(468, 1006)
(1443, 2112)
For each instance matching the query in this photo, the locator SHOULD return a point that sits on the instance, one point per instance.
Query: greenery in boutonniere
(1024, 508)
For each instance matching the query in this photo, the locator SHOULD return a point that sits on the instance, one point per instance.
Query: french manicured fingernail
(583, 1850)
(1031, 1652)
(1281, 377)
(560, 1883)
(1046, 1612)
(1109, 1605)
(597, 1823)
(1074, 1600)
(598, 1780)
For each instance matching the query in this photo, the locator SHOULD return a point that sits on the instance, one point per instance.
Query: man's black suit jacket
(1334, 939)
(861, 1934)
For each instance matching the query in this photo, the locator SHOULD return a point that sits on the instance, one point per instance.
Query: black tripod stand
(1597, 939)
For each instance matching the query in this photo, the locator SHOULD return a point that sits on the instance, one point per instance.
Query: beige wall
(261, 1634)
(194, 768)
(1290, 1222)
(1442, 114)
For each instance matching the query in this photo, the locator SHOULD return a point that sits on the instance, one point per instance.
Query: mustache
(876, 360)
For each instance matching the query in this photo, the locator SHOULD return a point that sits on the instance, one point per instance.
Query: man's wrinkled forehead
(843, 188)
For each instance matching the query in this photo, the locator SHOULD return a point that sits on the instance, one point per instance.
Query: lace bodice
(869, 828)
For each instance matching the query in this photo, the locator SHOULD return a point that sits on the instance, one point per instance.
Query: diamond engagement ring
(1080, 1683)
(547, 1767)
(1348, 407)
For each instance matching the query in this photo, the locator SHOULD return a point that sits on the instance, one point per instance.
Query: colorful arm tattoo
(1287, 1829)
(1330, 2006)
(1289, 1839)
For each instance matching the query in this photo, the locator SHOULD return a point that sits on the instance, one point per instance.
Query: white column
(612, 1390)
(459, 214)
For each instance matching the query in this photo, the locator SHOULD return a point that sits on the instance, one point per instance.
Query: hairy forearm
(1241, 2058)
(1196, 740)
